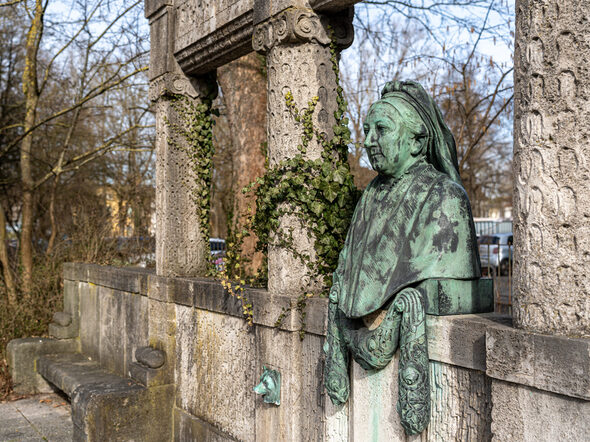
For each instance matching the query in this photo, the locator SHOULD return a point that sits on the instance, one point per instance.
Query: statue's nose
(370, 139)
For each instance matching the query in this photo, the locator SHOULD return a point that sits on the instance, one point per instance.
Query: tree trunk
(31, 92)
(243, 83)
(52, 219)
(5, 262)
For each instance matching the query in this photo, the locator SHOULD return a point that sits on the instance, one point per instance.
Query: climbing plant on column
(321, 190)
(193, 134)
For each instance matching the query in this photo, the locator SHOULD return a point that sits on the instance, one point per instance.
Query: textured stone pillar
(181, 246)
(297, 47)
(551, 167)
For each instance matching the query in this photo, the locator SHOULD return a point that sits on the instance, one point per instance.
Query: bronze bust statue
(413, 224)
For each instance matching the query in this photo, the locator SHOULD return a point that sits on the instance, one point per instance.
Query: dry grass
(32, 315)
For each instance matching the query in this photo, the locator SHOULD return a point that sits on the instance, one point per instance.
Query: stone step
(70, 371)
(106, 406)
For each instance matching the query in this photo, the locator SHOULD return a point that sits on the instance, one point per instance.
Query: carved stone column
(297, 47)
(552, 167)
(181, 246)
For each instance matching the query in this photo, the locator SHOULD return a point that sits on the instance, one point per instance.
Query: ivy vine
(193, 135)
(321, 190)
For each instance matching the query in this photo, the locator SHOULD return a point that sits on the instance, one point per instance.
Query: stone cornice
(298, 25)
(227, 43)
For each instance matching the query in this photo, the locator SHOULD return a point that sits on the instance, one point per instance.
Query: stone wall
(489, 381)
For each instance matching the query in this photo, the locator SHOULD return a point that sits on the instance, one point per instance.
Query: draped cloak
(404, 232)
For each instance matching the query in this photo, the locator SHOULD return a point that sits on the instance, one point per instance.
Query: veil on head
(441, 150)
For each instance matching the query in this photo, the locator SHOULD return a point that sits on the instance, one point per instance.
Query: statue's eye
(366, 129)
(381, 129)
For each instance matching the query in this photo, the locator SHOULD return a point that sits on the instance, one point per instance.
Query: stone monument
(184, 360)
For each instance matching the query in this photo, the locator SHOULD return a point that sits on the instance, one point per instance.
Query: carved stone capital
(178, 84)
(297, 25)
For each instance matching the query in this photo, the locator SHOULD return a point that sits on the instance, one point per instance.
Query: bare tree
(441, 45)
(70, 65)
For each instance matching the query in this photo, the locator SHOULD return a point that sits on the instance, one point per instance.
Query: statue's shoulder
(448, 188)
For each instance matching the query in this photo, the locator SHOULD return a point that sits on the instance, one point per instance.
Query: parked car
(496, 253)
(218, 248)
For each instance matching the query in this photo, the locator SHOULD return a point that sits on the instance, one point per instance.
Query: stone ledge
(125, 279)
(458, 339)
(208, 294)
(205, 294)
(551, 363)
(71, 371)
(461, 339)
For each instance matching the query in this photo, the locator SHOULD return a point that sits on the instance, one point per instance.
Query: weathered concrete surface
(22, 357)
(162, 24)
(208, 35)
(111, 350)
(211, 34)
(551, 169)
(101, 412)
(202, 293)
(66, 324)
(551, 363)
(112, 325)
(337, 421)
(367, 421)
(89, 320)
(188, 428)
(39, 418)
(71, 371)
(181, 249)
(461, 406)
(126, 279)
(461, 340)
(106, 406)
(215, 360)
(215, 371)
(524, 414)
(300, 415)
(162, 336)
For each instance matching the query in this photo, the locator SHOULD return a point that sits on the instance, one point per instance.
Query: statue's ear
(420, 142)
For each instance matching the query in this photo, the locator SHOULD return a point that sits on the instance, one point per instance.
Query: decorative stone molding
(301, 26)
(178, 84)
(225, 44)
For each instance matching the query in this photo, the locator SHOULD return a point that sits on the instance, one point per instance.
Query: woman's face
(390, 145)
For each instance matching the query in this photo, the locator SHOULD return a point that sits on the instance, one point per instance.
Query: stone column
(551, 167)
(181, 247)
(297, 47)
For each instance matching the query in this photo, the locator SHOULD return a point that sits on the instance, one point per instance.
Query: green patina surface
(411, 249)
(269, 386)
(458, 297)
